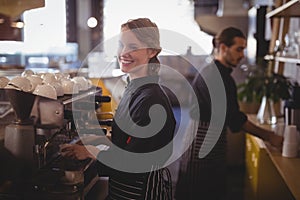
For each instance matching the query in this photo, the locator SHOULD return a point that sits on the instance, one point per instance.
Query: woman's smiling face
(133, 55)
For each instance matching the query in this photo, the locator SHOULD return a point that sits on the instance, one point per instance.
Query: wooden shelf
(289, 9)
(288, 60)
(283, 59)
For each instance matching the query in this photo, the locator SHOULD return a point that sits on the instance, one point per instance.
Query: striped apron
(155, 185)
(202, 178)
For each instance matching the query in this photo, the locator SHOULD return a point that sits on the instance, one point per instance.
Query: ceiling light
(17, 24)
(92, 22)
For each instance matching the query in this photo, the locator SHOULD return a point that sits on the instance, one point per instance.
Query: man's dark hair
(226, 37)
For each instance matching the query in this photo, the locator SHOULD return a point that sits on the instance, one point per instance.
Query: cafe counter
(270, 175)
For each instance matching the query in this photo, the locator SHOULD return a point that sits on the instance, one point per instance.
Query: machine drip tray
(62, 179)
(56, 181)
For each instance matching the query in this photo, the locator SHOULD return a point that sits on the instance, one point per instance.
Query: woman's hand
(79, 152)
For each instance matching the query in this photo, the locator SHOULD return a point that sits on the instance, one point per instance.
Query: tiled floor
(235, 181)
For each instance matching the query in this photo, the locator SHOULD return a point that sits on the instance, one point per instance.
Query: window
(176, 16)
(45, 27)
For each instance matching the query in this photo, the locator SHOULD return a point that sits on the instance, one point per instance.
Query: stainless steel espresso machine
(40, 127)
(20, 134)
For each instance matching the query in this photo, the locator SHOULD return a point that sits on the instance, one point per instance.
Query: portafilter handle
(102, 99)
(106, 122)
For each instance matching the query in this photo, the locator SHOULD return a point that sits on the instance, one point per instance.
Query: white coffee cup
(20, 83)
(290, 134)
(290, 142)
(45, 90)
(290, 150)
(3, 81)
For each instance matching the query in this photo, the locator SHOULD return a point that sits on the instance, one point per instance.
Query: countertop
(289, 168)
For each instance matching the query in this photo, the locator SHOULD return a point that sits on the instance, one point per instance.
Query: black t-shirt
(132, 117)
(140, 95)
(234, 117)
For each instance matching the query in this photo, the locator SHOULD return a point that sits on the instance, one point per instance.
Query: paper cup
(290, 134)
(290, 150)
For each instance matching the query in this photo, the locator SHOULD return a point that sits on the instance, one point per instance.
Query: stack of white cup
(290, 142)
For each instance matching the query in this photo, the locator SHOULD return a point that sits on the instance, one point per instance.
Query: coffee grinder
(19, 136)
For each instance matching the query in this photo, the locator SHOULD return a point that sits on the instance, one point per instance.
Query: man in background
(205, 178)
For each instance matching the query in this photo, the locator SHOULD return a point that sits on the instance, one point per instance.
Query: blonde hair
(147, 32)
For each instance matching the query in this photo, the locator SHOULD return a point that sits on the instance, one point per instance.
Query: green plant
(259, 83)
(277, 87)
(250, 91)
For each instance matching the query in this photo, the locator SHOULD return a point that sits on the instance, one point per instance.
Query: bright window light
(45, 27)
(177, 16)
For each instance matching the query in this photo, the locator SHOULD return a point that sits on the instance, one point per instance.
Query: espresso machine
(41, 125)
(40, 120)
(19, 136)
(37, 119)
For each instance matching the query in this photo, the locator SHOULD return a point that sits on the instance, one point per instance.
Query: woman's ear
(152, 53)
